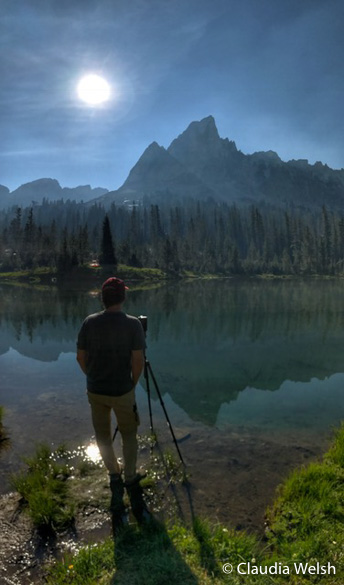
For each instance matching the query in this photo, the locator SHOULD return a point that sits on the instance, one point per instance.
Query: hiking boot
(139, 475)
(138, 505)
(117, 507)
(119, 521)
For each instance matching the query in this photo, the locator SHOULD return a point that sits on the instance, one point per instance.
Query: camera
(144, 322)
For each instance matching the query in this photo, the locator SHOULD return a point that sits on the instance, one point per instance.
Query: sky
(271, 72)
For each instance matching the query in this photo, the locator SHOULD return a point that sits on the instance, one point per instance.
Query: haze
(270, 72)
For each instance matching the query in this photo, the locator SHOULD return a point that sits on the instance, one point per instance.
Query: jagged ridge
(200, 164)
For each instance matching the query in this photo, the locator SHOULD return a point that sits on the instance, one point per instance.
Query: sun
(93, 90)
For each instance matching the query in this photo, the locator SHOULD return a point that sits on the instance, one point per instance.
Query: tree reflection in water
(207, 340)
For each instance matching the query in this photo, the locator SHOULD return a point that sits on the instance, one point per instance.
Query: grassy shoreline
(85, 275)
(305, 524)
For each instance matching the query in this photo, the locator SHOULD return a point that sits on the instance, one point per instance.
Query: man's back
(109, 337)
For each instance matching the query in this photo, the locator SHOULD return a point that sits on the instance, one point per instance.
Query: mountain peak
(200, 164)
(204, 153)
(205, 128)
(200, 141)
(40, 184)
(154, 161)
(151, 155)
(204, 132)
(154, 148)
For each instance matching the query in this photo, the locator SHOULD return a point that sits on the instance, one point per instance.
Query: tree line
(198, 236)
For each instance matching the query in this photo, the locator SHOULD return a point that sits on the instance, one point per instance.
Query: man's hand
(81, 358)
(137, 363)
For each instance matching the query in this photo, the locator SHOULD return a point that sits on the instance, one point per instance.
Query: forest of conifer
(202, 237)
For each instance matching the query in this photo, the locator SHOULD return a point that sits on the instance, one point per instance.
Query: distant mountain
(158, 174)
(4, 191)
(200, 164)
(50, 189)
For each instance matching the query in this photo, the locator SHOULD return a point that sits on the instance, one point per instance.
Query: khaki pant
(128, 420)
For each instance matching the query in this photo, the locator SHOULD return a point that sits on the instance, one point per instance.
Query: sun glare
(92, 453)
(93, 90)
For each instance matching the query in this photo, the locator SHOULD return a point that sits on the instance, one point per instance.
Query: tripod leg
(146, 376)
(150, 371)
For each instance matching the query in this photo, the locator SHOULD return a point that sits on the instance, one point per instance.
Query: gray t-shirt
(109, 338)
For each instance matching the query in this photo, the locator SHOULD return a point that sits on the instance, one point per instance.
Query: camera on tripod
(144, 322)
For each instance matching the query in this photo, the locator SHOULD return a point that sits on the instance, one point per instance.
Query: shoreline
(260, 481)
(86, 276)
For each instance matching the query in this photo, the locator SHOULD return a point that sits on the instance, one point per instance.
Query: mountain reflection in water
(213, 345)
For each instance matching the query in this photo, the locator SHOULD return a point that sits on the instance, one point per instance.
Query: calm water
(260, 356)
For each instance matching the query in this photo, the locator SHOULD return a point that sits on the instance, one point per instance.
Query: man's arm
(81, 357)
(137, 363)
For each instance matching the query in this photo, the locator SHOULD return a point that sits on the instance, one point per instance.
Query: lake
(249, 370)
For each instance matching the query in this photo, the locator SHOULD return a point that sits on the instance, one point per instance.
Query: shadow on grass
(207, 553)
(148, 555)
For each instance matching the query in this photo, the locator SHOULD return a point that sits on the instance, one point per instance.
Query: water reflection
(209, 343)
(92, 453)
(41, 324)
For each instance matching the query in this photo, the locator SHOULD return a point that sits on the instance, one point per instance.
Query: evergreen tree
(64, 260)
(107, 253)
(328, 258)
(202, 236)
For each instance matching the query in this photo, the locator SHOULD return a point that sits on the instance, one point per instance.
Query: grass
(29, 273)
(132, 273)
(85, 272)
(81, 275)
(204, 275)
(173, 468)
(44, 489)
(306, 521)
(305, 524)
(156, 555)
(336, 452)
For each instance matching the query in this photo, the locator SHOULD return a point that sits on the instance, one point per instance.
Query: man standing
(110, 351)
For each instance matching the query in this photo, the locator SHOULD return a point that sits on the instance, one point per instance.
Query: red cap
(115, 284)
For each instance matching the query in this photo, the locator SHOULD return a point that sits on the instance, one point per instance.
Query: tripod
(149, 372)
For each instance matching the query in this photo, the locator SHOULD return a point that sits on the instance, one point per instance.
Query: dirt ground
(232, 480)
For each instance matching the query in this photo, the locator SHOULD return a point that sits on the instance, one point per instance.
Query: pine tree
(107, 252)
(29, 241)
